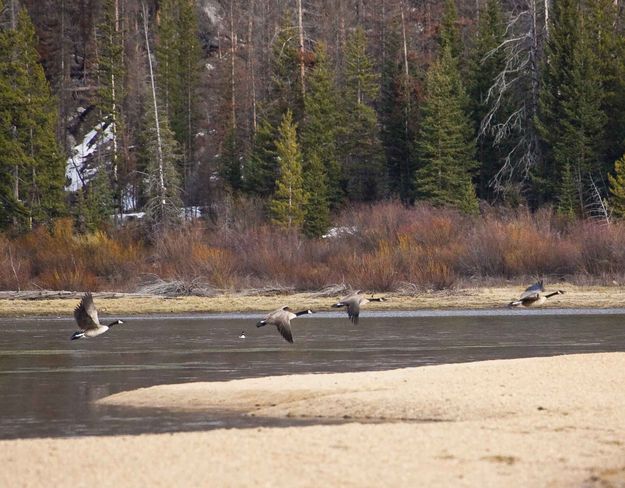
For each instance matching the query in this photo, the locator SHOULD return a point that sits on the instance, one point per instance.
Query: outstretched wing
(353, 311)
(285, 331)
(86, 314)
(533, 291)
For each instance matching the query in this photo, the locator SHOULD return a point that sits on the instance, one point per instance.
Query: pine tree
(98, 205)
(397, 116)
(317, 208)
(571, 121)
(568, 200)
(445, 145)
(617, 188)
(111, 88)
(449, 34)
(319, 131)
(42, 167)
(486, 63)
(289, 199)
(230, 163)
(261, 170)
(360, 145)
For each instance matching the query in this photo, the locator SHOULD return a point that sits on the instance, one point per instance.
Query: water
(48, 383)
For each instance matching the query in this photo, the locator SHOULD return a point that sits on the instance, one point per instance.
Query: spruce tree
(317, 208)
(261, 170)
(445, 145)
(568, 200)
(230, 162)
(449, 34)
(98, 204)
(486, 62)
(289, 199)
(319, 132)
(617, 188)
(397, 111)
(360, 145)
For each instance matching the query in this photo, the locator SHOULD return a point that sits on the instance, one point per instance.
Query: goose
(86, 315)
(281, 318)
(353, 303)
(242, 335)
(532, 296)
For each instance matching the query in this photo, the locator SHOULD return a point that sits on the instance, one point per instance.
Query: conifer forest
(297, 144)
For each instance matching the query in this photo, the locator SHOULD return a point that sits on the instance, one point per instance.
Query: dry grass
(469, 298)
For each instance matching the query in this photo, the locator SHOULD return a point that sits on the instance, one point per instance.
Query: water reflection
(48, 384)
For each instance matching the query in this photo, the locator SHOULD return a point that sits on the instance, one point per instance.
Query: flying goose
(281, 318)
(532, 296)
(353, 303)
(86, 315)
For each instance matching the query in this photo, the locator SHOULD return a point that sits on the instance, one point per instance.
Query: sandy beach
(553, 422)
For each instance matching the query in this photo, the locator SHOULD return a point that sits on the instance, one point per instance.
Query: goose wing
(353, 311)
(86, 314)
(533, 291)
(284, 327)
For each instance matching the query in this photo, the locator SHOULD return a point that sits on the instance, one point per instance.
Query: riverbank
(13, 305)
(554, 422)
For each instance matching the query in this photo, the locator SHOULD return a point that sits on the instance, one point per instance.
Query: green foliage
(261, 170)
(317, 209)
(568, 200)
(320, 126)
(445, 145)
(449, 35)
(397, 116)
(486, 62)
(360, 145)
(571, 121)
(230, 162)
(179, 69)
(617, 188)
(33, 167)
(289, 199)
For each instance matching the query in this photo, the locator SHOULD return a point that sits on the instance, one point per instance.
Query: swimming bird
(86, 315)
(534, 296)
(242, 335)
(281, 318)
(353, 303)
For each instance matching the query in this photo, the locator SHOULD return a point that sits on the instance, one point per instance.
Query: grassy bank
(468, 298)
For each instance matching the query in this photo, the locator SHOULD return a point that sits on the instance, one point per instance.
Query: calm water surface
(48, 383)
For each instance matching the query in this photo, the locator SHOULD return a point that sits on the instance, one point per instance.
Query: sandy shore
(465, 298)
(556, 422)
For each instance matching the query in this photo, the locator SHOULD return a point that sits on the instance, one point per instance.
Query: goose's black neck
(303, 312)
(115, 322)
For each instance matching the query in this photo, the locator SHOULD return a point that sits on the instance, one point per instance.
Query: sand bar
(555, 422)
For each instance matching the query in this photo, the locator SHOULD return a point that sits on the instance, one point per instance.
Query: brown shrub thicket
(384, 247)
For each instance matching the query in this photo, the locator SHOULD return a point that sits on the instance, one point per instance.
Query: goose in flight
(86, 315)
(281, 318)
(534, 295)
(353, 303)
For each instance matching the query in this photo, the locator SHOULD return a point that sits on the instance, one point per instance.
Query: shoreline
(554, 421)
(466, 298)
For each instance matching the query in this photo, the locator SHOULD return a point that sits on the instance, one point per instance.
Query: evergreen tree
(397, 116)
(162, 189)
(485, 64)
(98, 205)
(445, 145)
(111, 87)
(231, 162)
(571, 121)
(261, 170)
(289, 199)
(361, 148)
(617, 188)
(40, 169)
(568, 200)
(317, 209)
(449, 34)
(319, 132)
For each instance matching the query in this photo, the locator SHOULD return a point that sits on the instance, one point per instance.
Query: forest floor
(39, 303)
(544, 422)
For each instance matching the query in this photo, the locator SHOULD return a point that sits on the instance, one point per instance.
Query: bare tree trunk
(302, 67)
(233, 49)
(16, 170)
(251, 59)
(547, 17)
(161, 176)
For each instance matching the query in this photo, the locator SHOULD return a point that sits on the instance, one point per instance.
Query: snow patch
(336, 232)
(211, 12)
(76, 170)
